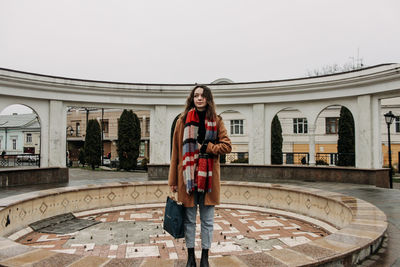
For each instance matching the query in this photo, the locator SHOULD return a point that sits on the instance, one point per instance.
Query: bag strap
(174, 197)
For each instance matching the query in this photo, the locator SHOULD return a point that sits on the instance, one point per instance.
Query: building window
(105, 126)
(236, 127)
(397, 124)
(241, 155)
(331, 125)
(29, 138)
(300, 125)
(14, 144)
(142, 149)
(78, 129)
(147, 126)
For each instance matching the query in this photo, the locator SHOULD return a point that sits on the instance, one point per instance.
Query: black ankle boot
(204, 258)
(191, 262)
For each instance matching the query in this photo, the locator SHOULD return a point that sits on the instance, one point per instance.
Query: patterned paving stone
(138, 234)
(28, 258)
(90, 261)
(290, 257)
(13, 250)
(260, 259)
(59, 259)
(314, 252)
(124, 262)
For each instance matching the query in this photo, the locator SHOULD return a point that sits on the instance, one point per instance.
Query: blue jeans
(207, 222)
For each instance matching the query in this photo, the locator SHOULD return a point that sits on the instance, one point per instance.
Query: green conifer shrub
(276, 141)
(346, 139)
(128, 140)
(92, 147)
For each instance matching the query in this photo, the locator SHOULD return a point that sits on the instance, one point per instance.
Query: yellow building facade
(108, 119)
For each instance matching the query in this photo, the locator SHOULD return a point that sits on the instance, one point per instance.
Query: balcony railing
(19, 160)
(303, 158)
(235, 157)
(292, 158)
(326, 158)
(330, 158)
(297, 158)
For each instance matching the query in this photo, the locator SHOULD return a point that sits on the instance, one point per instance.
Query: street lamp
(70, 131)
(389, 117)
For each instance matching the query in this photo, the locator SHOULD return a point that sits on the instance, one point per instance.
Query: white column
(57, 134)
(376, 134)
(257, 135)
(159, 136)
(311, 144)
(363, 132)
(44, 137)
(268, 117)
(143, 130)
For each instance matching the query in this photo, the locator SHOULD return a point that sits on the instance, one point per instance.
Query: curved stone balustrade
(360, 225)
(257, 102)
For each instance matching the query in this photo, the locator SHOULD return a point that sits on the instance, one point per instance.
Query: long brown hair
(210, 108)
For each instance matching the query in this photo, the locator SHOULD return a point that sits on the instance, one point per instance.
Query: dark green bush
(321, 162)
(128, 140)
(276, 141)
(93, 144)
(242, 160)
(346, 139)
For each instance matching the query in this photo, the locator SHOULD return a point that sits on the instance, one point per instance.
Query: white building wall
(7, 144)
(35, 143)
(240, 142)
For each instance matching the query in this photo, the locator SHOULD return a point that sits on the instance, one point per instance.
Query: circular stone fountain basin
(358, 227)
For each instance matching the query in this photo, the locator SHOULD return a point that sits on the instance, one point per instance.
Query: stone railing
(276, 173)
(32, 176)
(360, 225)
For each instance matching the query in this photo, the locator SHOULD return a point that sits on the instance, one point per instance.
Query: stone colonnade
(360, 91)
(259, 118)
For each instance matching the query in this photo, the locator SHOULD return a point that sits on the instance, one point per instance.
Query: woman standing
(199, 138)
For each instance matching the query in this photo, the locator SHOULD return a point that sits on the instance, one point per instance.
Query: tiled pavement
(138, 234)
(388, 200)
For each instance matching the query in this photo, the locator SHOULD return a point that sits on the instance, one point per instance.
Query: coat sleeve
(173, 167)
(223, 146)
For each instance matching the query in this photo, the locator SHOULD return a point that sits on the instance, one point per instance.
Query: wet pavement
(388, 200)
(77, 177)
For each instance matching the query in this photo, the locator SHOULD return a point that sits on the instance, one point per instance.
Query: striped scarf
(197, 167)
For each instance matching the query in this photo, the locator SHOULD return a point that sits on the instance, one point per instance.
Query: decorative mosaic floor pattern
(138, 234)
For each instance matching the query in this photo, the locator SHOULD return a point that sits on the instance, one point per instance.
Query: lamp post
(102, 136)
(70, 132)
(389, 117)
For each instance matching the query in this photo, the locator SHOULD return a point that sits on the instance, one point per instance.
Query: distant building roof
(19, 121)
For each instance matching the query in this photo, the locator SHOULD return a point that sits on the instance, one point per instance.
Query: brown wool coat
(223, 146)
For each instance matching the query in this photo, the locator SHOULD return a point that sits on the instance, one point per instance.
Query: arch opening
(289, 137)
(238, 131)
(335, 137)
(20, 136)
(108, 120)
(390, 105)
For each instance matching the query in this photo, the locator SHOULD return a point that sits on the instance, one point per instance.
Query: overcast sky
(187, 41)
